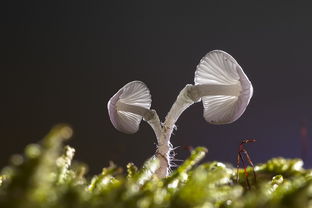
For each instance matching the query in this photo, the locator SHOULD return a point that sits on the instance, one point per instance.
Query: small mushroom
(223, 87)
(129, 105)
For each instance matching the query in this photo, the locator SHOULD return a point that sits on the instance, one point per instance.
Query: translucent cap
(219, 68)
(134, 93)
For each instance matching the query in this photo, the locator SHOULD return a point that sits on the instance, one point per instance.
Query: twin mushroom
(220, 84)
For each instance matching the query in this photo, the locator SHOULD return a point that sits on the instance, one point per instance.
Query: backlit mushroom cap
(135, 94)
(220, 68)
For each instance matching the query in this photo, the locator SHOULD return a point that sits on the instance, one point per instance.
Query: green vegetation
(44, 177)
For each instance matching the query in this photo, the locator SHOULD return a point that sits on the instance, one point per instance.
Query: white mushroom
(222, 85)
(129, 105)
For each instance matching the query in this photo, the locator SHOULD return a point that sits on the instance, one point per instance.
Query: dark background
(62, 61)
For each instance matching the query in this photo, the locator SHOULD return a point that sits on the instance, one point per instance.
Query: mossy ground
(45, 177)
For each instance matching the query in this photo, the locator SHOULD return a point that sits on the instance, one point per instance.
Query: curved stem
(150, 116)
(183, 101)
(154, 122)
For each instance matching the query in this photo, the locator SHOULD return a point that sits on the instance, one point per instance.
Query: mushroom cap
(134, 93)
(219, 68)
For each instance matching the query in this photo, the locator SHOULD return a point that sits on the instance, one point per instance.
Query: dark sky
(61, 61)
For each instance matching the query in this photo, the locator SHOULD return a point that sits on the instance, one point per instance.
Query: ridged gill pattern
(218, 67)
(134, 93)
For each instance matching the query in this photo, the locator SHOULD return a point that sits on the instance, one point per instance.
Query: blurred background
(61, 61)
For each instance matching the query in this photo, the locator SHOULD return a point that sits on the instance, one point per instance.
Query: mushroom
(129, 105)
(223, 87)
(219, 82)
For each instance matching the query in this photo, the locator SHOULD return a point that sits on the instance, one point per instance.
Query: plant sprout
(220, 84)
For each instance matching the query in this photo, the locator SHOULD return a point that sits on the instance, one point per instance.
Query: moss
(45, 177)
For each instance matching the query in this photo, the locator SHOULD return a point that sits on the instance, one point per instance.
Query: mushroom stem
(163, 153)
(150, 116)
(182, 102)
(197, 91)
(154, 122)
(145, 113)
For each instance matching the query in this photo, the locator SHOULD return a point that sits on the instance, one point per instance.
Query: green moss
(45, 177)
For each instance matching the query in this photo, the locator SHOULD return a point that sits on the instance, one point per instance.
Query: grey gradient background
(61, 61)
